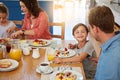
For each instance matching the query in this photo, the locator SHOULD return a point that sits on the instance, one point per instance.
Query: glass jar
(15, 52)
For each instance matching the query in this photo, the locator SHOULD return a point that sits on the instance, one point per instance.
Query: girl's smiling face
(3, 18)
(80, 34)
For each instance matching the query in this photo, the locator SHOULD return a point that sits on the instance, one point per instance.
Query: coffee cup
(44, 66)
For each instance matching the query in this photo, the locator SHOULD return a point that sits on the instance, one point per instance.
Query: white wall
(114, 7)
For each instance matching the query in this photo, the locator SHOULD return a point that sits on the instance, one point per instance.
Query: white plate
(14, 65)
(39, 45)
(79, 75)
(48, 72)
(71, 54)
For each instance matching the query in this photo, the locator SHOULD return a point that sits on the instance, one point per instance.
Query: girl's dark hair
(3, 9)
(78, 25)
(33, 7)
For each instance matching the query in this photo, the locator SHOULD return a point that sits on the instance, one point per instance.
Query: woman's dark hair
(78, 25)
(102, 17)
(3, 9)
(33, 7)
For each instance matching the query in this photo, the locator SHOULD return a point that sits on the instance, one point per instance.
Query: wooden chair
(58, 24)
(18, 22)
(52, 24)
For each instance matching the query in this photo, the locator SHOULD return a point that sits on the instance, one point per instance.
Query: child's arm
(79, 58)
(11, 29)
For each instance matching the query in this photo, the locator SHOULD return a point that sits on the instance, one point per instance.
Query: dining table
(27, 65)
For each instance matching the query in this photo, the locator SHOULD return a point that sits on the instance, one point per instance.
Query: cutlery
(70, 68)
(58, 68)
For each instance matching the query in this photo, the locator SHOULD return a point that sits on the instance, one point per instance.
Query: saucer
(50, 70)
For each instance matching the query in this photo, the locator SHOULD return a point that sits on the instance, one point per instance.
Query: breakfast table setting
(34, 60)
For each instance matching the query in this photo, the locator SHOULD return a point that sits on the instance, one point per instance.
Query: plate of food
(66, 75)
(4, 41)
(65, 53)
(8, 64)
(40, 43)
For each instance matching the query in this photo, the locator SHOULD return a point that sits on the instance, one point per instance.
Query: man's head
(101, 17)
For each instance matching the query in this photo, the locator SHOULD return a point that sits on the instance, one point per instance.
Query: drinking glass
(51, 54)
(8, 47)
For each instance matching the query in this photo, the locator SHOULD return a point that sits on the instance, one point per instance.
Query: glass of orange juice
(51, 54)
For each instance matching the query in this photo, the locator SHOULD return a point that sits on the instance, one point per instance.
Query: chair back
(58, 24)
(19, 23)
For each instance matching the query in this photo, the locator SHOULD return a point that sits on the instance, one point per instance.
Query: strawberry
(36, 40)
(65, 49)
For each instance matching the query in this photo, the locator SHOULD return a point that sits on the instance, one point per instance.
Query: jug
(36, 53)
(15, 52)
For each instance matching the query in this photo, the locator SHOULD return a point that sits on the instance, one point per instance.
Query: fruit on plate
(65, 53)
(65, 76)
(23, 41)
(35, 43)
(57, 52)
(41, 42)
(5, 63)
(2, 41)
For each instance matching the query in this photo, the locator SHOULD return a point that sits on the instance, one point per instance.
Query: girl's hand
(11, 29)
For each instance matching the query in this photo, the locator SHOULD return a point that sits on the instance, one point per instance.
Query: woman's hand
(16, 34)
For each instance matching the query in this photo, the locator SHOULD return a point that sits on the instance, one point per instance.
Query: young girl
(85, 50)
(6, 26)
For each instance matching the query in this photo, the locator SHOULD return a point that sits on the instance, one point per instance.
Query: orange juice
(1, 55)
(16, 54)
(51, 57)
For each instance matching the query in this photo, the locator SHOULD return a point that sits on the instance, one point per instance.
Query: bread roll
(5, 63)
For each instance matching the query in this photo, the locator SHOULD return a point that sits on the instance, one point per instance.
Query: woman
(36, 23)
(6, 26)
(85, 50)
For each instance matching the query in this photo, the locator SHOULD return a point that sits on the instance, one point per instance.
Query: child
(85, 50)
(6, 26)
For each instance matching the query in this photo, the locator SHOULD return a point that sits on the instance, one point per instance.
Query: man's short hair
(102, 17)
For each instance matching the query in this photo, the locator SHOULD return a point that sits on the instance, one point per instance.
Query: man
(101, 22)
